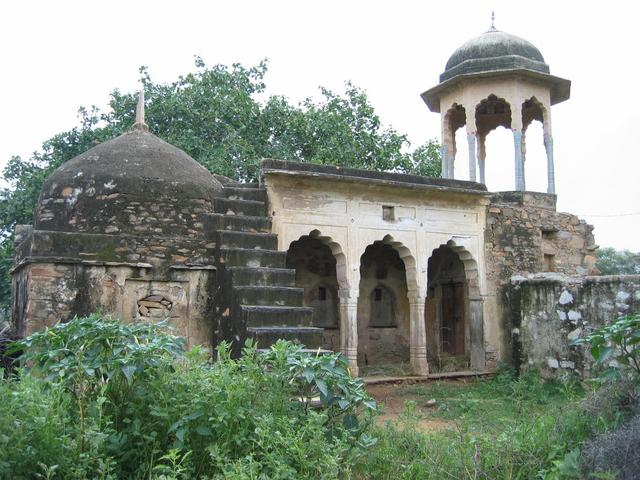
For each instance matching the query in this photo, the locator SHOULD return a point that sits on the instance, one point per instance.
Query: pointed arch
(409, 261)
(491, 113)
(470, 267)
(336, 251)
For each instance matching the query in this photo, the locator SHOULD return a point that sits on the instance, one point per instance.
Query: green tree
(216, 116)
(618, 262)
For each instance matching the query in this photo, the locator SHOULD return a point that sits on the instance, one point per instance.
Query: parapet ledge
(354, 175)
(558, 278)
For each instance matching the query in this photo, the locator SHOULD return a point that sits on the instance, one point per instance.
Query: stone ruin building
(436, 273)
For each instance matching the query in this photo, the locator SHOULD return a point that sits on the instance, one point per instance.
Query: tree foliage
(217, 116)
(618, 262)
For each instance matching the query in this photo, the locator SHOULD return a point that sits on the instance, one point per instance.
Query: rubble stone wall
(524, 235)
(550, 311)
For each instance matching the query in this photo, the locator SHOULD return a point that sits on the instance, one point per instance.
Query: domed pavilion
(495, 79)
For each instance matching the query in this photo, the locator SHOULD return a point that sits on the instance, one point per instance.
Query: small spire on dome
(493, 20)
(139, 124)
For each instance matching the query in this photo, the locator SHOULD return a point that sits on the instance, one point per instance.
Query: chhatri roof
(496, 54)
(494, 51)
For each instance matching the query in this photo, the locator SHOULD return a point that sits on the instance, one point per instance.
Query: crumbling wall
(48, 293)
(550, 311)
(525, 235)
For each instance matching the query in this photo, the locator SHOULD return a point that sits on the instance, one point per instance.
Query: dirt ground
(393, 397)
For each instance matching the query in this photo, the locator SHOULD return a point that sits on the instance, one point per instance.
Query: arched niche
(453, 310)
(383, 337)
(316, 272)
(382, 307)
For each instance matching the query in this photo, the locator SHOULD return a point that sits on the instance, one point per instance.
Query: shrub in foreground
(128, 398)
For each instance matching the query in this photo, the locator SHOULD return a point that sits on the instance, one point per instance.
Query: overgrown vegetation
(616, 347)
(507, 428)
(100, 399)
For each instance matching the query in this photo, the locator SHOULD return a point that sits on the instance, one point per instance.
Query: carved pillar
(482, 154)
(349, 329)
(551, 180)
(418, 336)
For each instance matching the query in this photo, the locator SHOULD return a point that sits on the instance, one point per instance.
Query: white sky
(56, 56)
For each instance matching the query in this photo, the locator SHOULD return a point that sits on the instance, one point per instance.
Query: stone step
(241, 193)
(219, 221)
(284, 277)
(272, 316)
(310, 337)
(269, 296)
(240, 239)
(249, 208)
(245, 257)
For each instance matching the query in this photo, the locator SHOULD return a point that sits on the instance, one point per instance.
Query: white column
(519, 165)
(418, 336)
(349, 329)
(551, 180)
(471, 140)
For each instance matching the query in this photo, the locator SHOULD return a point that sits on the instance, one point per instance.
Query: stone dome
(494, 51)
(116, 185)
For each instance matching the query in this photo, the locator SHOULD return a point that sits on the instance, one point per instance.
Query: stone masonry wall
(525, 235)
(549, 311)
(523, 227)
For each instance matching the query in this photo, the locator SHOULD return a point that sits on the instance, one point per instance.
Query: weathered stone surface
(588, 303)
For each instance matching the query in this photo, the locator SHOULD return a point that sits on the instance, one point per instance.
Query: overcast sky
(56, 56)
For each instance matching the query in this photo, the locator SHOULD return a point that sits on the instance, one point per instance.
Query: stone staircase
(256, 294)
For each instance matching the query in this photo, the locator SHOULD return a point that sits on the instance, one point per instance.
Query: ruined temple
(385, 267)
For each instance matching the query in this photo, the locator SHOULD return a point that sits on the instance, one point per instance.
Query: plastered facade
(346, 213)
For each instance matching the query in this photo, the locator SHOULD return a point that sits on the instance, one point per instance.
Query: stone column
(476, 328)
(418, 336)
(482, 154)
(551, 180)
(349, 330)
(519, 164)
(471, 140)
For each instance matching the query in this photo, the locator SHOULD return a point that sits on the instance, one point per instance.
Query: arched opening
(447, 311)
(533, 150)
(383, 308)
(499, 168)
(491, 114)
(454, 135)
(315, 268)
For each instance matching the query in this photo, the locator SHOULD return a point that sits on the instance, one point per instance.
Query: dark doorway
(453, 310)
(383, 308)
(315, 268)
(447, 311)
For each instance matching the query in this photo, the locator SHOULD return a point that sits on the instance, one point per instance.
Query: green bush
(127, 402)
(616, 347)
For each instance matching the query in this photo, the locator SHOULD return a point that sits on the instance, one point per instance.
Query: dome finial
(493, 20)
(139, 124)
